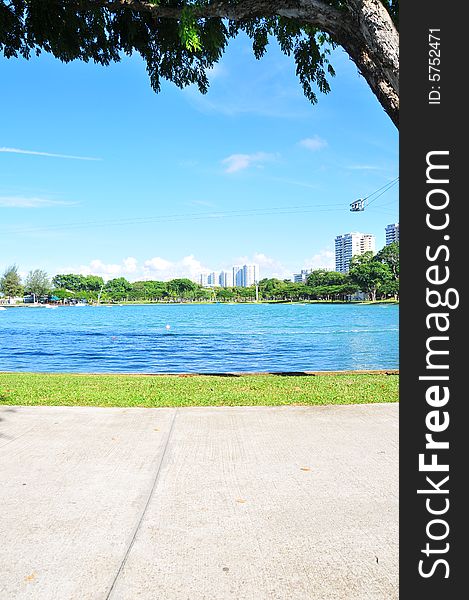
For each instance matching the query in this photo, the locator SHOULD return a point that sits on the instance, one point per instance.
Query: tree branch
(313, 12)
(364, 29)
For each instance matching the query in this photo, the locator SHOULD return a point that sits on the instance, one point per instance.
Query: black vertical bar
(433, 119)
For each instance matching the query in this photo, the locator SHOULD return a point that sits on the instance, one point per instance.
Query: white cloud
(161, 269)
(30, 202)
(268, 266)
(156, 268)
(157, 264)
(49, 154)
(324, 259)
(106, 270)
(239, 162)
(130, 264)
(313, 143)
(191, 262)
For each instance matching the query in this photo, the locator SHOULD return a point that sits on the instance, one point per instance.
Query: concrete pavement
(245, 503)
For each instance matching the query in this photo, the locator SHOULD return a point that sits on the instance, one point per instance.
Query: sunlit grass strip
(201, 390)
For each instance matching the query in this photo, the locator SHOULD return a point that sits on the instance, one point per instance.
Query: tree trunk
(374, 48)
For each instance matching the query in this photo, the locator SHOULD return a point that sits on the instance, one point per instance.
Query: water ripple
(202, 338)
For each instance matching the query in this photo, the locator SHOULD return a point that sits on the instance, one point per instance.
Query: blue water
(201, 338)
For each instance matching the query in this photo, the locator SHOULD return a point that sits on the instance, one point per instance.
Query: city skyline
(238, 276)
(226, 276)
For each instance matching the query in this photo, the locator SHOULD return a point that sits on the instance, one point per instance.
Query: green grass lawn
(200, 390)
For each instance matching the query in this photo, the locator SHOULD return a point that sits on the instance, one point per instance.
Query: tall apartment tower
(392, 233)
(225, 279)
(238, 276)
(250, 275)
(351, 244)
(246, 275)
(212, 279)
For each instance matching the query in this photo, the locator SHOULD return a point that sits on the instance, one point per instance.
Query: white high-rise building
(349, 245)
(392, 233)
(302, 276)
(250, 275)
(246, 275)
(225, 279)
(238, 276)
(203, 280)
(212, 279)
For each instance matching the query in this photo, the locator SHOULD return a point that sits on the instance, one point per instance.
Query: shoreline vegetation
(372, 277)
(222, 389)
(208, 302)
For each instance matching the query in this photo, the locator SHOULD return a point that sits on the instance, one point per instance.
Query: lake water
(201, 338)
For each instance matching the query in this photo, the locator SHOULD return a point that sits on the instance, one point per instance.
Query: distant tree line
(375, 275)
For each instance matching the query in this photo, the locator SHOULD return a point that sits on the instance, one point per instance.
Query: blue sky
(98, 174)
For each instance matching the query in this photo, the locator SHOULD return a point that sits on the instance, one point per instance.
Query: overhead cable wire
(181, 217)
(384, 189)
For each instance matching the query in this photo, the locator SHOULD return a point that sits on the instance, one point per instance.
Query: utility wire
(188, 217)
(279, 210)
(385, 188)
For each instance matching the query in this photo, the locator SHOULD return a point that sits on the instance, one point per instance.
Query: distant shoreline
(162, 303)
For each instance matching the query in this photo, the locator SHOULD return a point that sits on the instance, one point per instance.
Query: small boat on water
(2, 308)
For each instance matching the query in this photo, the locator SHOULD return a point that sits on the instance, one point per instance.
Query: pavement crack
(145, 508)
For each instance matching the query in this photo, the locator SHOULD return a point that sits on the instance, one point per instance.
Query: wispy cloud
(30, 202)
(49, 154)
(202, 203)
(216, 71)
(313, 186)
(313, 143)
(239, 162)
(230, 93)
(364, 168)
(223, 102)
(188, 163)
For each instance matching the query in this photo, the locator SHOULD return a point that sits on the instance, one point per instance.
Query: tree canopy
(10, 282)
(371, 275)
(78, 283)
(37, 283)
(181, 39)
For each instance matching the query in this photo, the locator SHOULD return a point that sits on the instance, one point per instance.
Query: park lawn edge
(230, 389)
